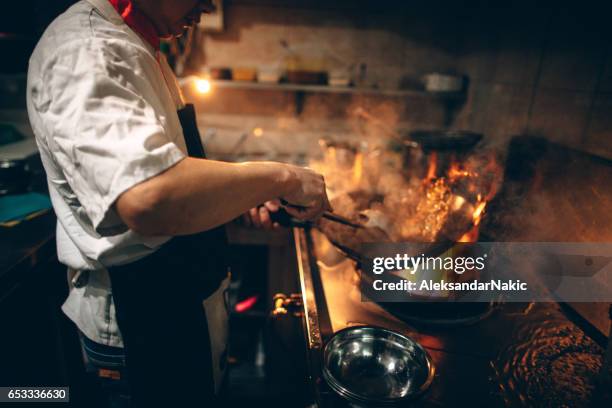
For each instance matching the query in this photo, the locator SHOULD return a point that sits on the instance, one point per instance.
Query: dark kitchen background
(541, 68)
(532, 72)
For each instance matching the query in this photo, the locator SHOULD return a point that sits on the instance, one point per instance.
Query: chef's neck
(170, 17)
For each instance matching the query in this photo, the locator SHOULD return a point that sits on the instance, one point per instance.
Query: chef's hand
(259, 216)
(309, 200)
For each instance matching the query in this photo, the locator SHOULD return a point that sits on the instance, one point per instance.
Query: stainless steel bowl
(372, 365)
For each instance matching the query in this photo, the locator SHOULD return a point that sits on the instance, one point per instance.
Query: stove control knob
(284, 304)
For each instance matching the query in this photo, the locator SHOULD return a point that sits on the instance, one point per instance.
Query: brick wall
(537, 70)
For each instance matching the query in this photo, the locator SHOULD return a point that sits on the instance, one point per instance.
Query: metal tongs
(284, 218)
(340, 219)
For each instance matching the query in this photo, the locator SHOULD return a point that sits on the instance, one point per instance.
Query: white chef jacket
(103, 106)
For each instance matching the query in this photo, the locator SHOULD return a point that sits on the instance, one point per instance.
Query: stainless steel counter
(520, 355)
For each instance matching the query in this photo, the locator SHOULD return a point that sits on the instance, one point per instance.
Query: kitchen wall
(537, 69)
(546, 72)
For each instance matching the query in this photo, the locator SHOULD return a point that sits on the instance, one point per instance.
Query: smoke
(375, 183)
(552, 193)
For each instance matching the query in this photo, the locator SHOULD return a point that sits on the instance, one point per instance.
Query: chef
(140, 210)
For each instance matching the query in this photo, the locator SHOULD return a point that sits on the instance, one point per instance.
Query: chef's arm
(196, 195)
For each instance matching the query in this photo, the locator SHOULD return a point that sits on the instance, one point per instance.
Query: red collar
(137, 21)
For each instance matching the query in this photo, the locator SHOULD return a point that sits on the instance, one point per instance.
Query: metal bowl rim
(352, 396)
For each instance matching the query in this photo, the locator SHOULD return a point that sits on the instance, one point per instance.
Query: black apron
(159, 308)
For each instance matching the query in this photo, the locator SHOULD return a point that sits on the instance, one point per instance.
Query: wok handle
(283, 218)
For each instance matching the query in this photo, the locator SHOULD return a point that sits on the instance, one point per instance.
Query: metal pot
(448, 146)
(376, 366)
(436, 82)
(444, 139)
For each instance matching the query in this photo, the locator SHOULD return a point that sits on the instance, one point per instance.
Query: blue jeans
(108, 365)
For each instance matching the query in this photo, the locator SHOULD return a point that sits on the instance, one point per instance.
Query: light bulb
(203, 85)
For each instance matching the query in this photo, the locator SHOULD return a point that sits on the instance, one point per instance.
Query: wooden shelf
(287, 87)
(450, 99)
(328, 89)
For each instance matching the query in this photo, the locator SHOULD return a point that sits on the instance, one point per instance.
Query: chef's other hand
(259, 216)
(309, 200)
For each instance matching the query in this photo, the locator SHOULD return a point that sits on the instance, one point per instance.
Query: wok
(426, 311)
(436, 139)
(443, 139)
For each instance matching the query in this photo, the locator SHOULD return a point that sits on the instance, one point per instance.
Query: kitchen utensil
(373, 365)
(304, 77)
(339, 82)
(443, 139)
(283, 218)
(304, 67)
(341, 220)
(269, 75)
(340, 78)
(449, 146)
(327, 214)
(436, 139)
(436, 82)
(244, 74)
(220, 73)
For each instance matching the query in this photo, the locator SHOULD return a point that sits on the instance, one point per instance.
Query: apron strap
(187, 118)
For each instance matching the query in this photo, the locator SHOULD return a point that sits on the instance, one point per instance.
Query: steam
(552, 194)
(425, 200)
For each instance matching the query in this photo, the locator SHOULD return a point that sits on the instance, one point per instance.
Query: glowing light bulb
(203, 85)
(258, 132)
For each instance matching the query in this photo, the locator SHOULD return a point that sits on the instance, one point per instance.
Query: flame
(358, 168)
(332, 155)
(431, 167)
(419, 203)
(455, 171)
(472, 235)
(479, 211)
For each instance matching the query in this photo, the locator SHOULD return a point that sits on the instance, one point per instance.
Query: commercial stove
(513, 354)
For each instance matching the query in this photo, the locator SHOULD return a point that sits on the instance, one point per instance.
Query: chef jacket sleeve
(109, 129)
